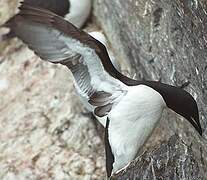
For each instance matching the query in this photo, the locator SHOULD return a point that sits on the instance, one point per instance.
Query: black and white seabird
(75, 11)
(129, 109)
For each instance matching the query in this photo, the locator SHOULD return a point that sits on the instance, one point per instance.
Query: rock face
(42, 132)
(164, 40)
(173, 160)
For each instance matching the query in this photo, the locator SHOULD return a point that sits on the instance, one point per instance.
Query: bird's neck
(177, 99)
(174, 97)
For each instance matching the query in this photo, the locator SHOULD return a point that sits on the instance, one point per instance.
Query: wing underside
(55, 40)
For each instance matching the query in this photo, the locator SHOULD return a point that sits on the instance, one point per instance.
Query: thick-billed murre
(129, 109)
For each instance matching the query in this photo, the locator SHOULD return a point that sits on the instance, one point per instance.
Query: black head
(179, 101)
(187, 107)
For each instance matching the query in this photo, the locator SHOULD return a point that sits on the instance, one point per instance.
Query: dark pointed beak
(196, 124)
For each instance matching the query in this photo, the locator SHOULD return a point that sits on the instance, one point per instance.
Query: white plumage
(136, 115)
(101, 38)
(79, 12)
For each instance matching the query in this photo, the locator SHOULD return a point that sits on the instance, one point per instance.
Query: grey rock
(164, 40)
(172, 160)
(43, 134)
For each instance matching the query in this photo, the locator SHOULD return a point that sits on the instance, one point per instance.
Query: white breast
(132, 121)
(79, 12)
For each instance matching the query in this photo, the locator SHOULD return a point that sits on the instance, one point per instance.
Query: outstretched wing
(55, 40)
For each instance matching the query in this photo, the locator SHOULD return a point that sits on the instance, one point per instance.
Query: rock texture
(173, 160)
(164, 40)
(43, 134)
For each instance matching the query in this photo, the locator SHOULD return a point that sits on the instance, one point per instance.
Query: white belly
(132, 121)
(79, 12)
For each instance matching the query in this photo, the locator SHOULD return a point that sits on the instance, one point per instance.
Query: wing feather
(55, 40)
(102, 111)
